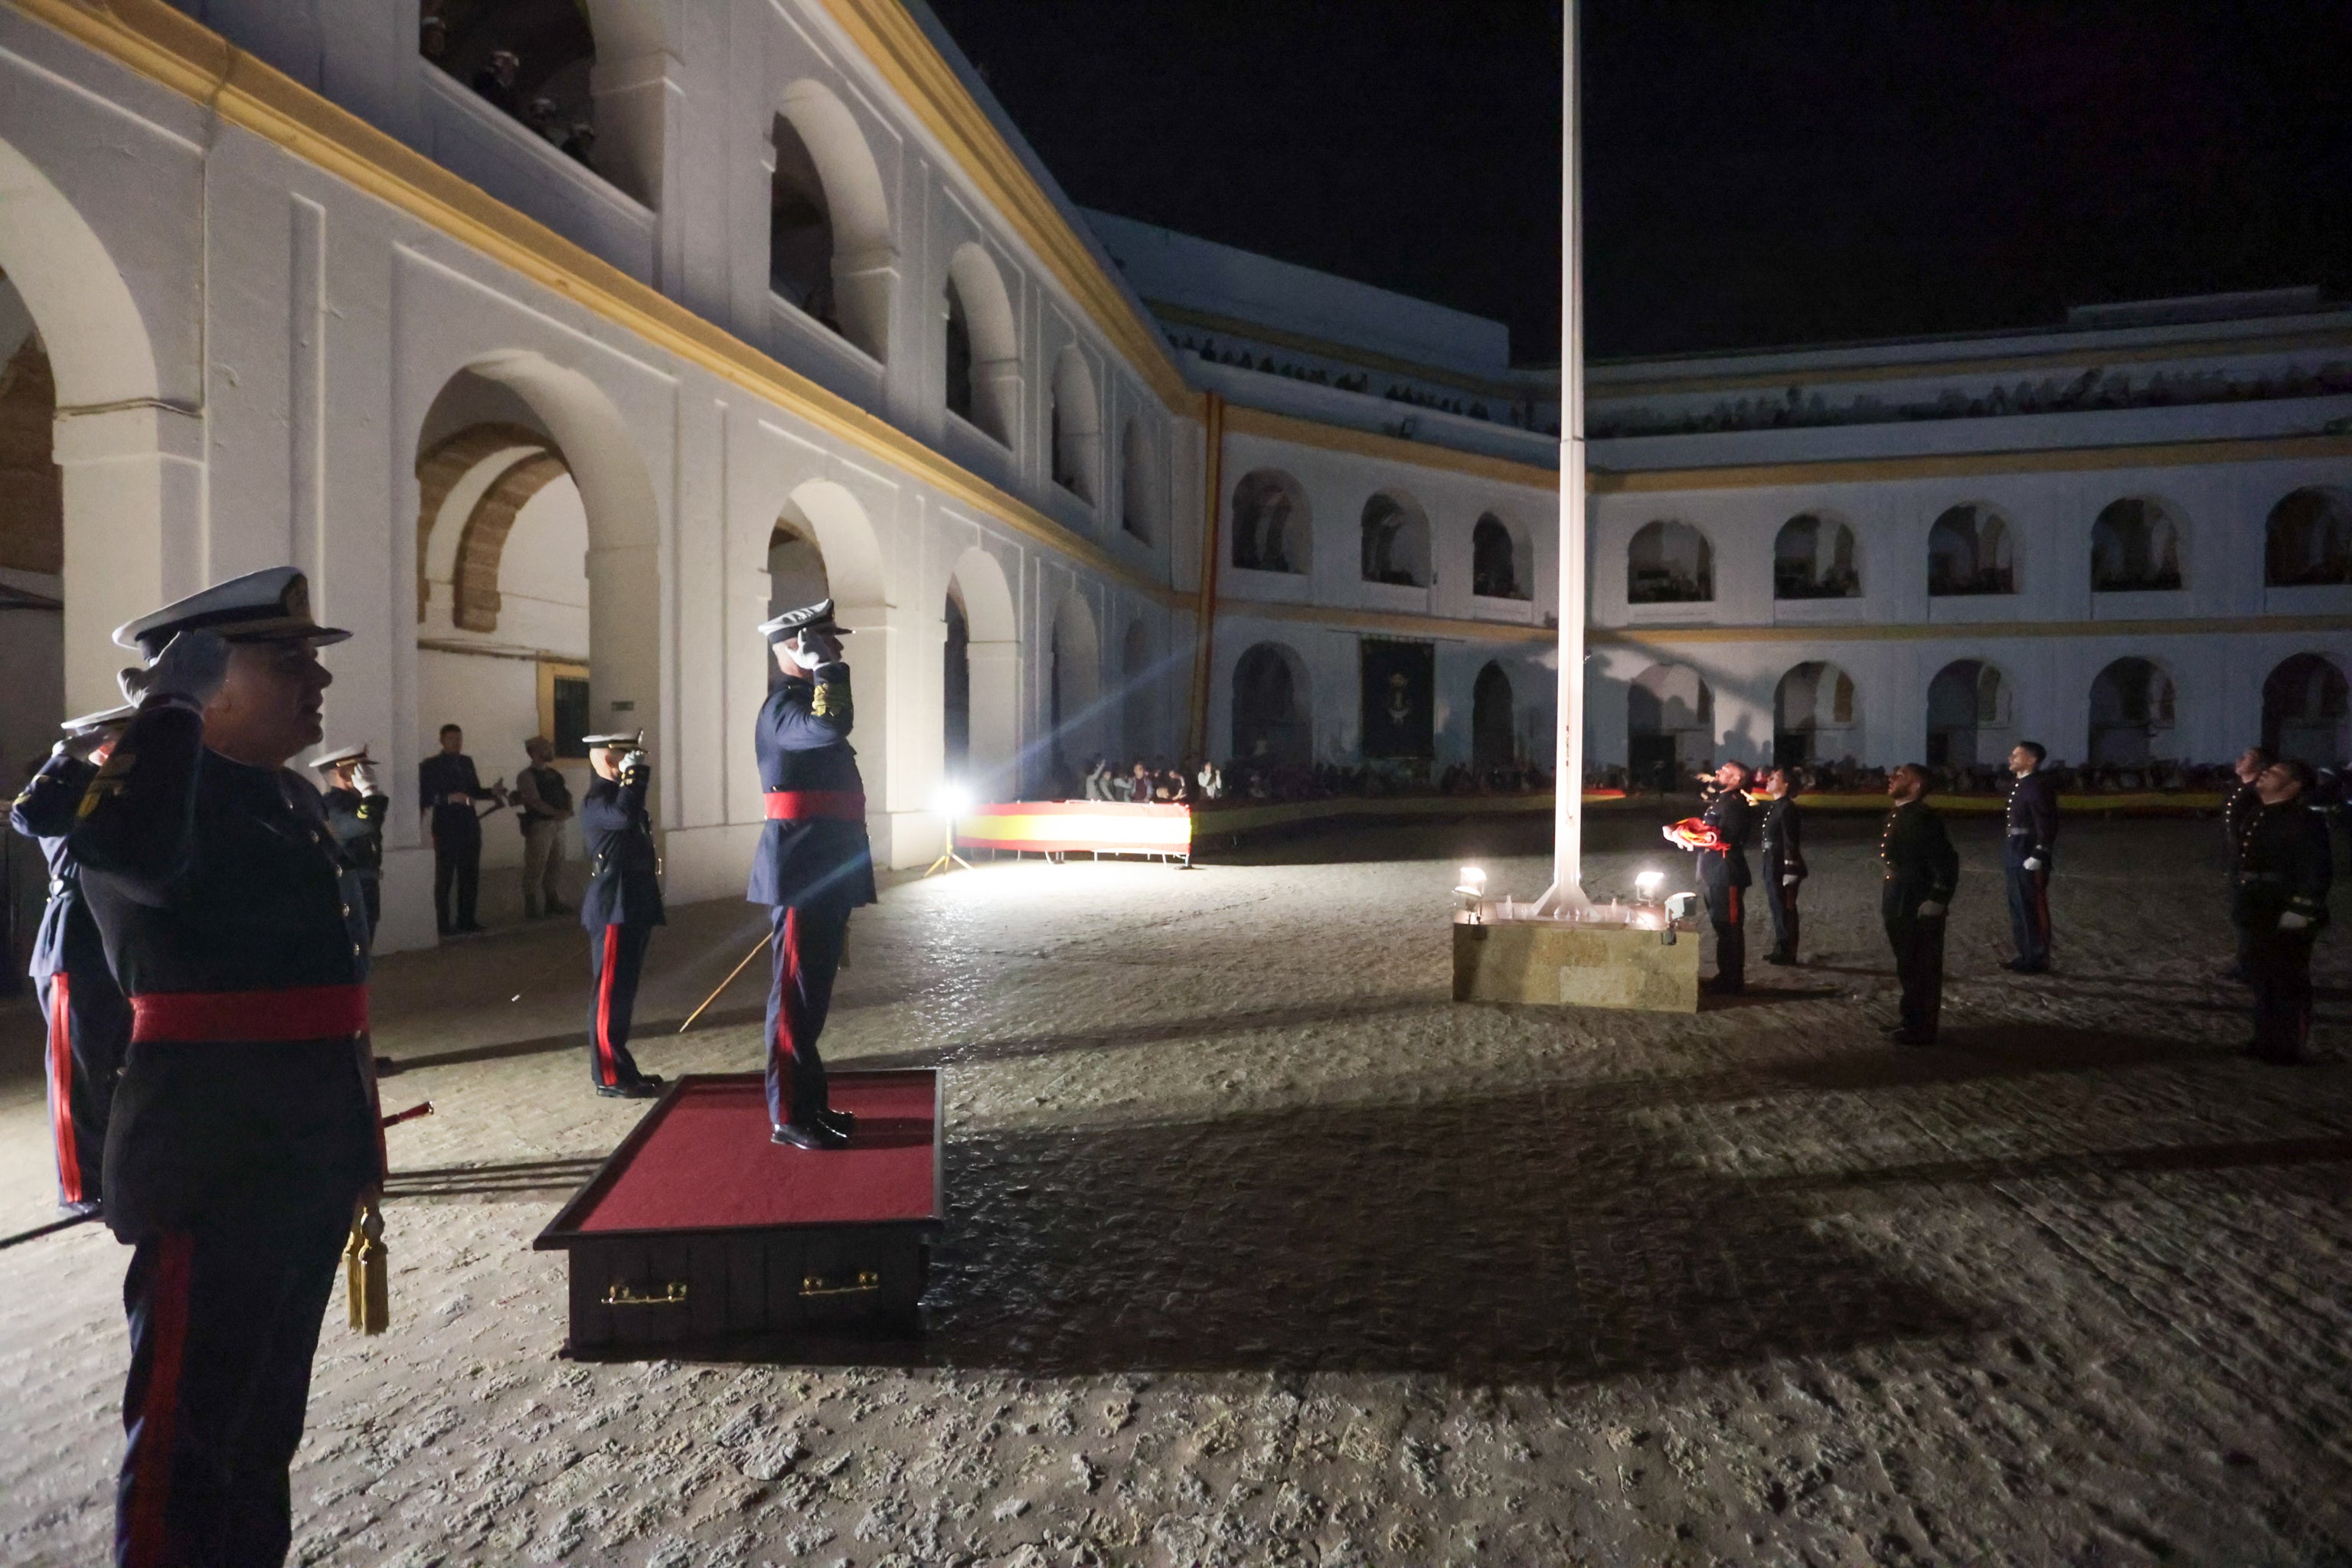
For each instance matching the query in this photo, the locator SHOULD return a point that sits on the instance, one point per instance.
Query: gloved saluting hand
(190, 669)
(363, 779)
(633, 767)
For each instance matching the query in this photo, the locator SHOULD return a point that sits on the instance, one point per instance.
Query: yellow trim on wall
(1963, 631)
(1966, 465)
(896, 46)
(158, 42)
(1240, 421)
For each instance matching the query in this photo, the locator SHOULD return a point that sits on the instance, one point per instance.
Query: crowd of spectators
(1265, 781)
(498, 81)
(1847, 776)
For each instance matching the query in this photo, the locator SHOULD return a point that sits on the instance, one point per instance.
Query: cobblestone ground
(1263, 1251)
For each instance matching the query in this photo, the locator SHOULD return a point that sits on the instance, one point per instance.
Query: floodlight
(1474, 882)
(952, 800)
(1647, 885)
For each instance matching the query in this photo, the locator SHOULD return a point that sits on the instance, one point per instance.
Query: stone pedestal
(1559, 963)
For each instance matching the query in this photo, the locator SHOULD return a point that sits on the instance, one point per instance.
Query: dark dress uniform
(456, 836)
(2032, 821)
(620, 910)
(2285, 864)
(812, 867)
(88, 1023)
(1922, 867)
(245, 1125)
(357, 822)
(1724, 874)
(1780, 833)
(2239, 808)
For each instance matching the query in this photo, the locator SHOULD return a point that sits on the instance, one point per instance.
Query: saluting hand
(193, 667)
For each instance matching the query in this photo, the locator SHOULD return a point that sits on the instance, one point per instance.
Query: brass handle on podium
(819, 1285)
(672, 1295)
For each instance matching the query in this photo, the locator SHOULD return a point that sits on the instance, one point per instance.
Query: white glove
(633, 767)
(2290, 921)
(2033, 863)
(1931, 910)
(192, 669)
(1790, 880)
(363, 779)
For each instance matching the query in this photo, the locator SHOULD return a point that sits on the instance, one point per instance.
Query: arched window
(1494, 735)
(1970, 552)
(2131, 713)
(1139, 483)
(1271, 528)
(529, 59)
(1076, 433)
(2134, 547)
(1395, 542)
(1812, 558)
(983, 346)
(1812, 715)
(1271, 725)
(955, 688)
(830, 252)
(1669, 726)
(1967, 716)
(1669, 564)
(2304, 705)
(796, 574)
(1074, 692)
(2310, 539)
(1495, 561)
(959, 361)
(800, 228)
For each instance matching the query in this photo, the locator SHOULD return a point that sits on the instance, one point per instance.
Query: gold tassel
(367, 1270)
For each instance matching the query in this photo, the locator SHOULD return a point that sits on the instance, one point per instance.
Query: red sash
(296, 1013)
(809, 805)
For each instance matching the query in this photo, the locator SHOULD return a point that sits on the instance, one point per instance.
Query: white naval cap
(272, 604)
(816, 618)
(618, 741)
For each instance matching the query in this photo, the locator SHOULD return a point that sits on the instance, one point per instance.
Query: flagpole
(1567, 890)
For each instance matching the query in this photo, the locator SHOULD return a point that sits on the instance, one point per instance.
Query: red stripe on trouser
(1734, 905)
(61, 1125)
(607, 1074)
(788, 1004)
(167, 1328)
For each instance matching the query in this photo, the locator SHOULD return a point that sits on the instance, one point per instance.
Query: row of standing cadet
(2278, 854)
(204, 963)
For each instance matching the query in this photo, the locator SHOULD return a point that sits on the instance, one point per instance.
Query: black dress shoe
(2025, 966)
(1910, 1037)
(648, 1086)
(385, 1067)
(799, 1136)
(842, 1121)
(1784, 959)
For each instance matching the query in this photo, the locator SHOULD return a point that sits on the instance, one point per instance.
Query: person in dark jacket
(356, 808)
(2239, 804)
(1780, 833)
(2029, 850)
(1922, 871)
(621, 907)
(89, 1022)
(812, 866)
(245, 1126)
(447, 786)
(1719, 839)
(2284, 865)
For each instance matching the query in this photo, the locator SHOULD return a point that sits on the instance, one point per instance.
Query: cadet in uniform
(2241, 803)
(2031, 847)
(1720, 839)
(356, 807)
(812, 866)
(1780, 832)
(1922, 870)
(245, 1124)
(448, 787)
(89, 1022)
(2284, 864)
(623, 905)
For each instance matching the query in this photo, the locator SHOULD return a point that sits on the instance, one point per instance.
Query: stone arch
(1273, 709)
(1076, 426)
(1669, 726)
(1272, 528)
(1814, 715)
(1813, 558)
(2307, 540)
(797, 573)
(2133, 713)
(1969, 703)
(983, 337)
(1395, 540)
(1494, 727)
(481, 547)
(442, 470)
(830, 251)
(2305, 704)
(1972, 549)
(824, 511)
(1139, 483)
(1668, 562)
(2138, 545)
(981, 594)
(1074, 694)
(1502, 564)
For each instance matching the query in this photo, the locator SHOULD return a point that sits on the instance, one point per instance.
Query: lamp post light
(952, 800)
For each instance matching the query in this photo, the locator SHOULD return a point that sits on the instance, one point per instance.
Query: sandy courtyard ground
(1263, 1251)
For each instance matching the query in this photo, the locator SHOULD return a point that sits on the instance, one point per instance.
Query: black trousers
(1726, 909)
(457, 868)
(1918, 945)
(807, 950)
(224, 1323)
(616, 956)
(88, 1030)
(371, 891)
(2281, 961)
(2029, 906)
(1780, 902)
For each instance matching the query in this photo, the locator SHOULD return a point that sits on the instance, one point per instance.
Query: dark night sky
(1756, 172)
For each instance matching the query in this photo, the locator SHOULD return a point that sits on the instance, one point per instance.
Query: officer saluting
(1719, 836)
(2032, 846)
(623, 905)
(2284, 865)
(89, 1022)
(812, 866)
(245, 1126)
(356, 807)
(2243, 802)
(1922, 870)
